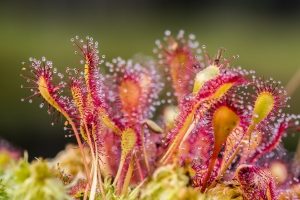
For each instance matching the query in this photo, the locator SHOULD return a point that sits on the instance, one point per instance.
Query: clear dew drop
(192, 37)
(167, 33)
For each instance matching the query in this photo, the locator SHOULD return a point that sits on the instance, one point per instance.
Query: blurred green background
(264, 33)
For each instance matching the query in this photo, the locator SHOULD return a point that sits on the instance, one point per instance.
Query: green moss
(3, 193)
(169, 183)
(32, 181)
(172, 183)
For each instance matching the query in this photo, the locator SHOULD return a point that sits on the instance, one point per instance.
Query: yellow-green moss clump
(171, 182)
(31, 181)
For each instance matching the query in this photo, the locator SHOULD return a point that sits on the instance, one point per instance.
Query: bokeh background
(264, 33)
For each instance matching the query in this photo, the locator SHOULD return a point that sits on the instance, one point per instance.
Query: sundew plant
(183, 125)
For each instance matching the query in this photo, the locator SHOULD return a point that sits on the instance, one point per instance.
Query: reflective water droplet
(167, 33)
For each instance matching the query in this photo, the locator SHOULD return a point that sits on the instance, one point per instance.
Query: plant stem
(128, 177)
(210, 168)
(80, 148)
(144, 150)
(120, 168)
(224, 168)
(138, 165)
